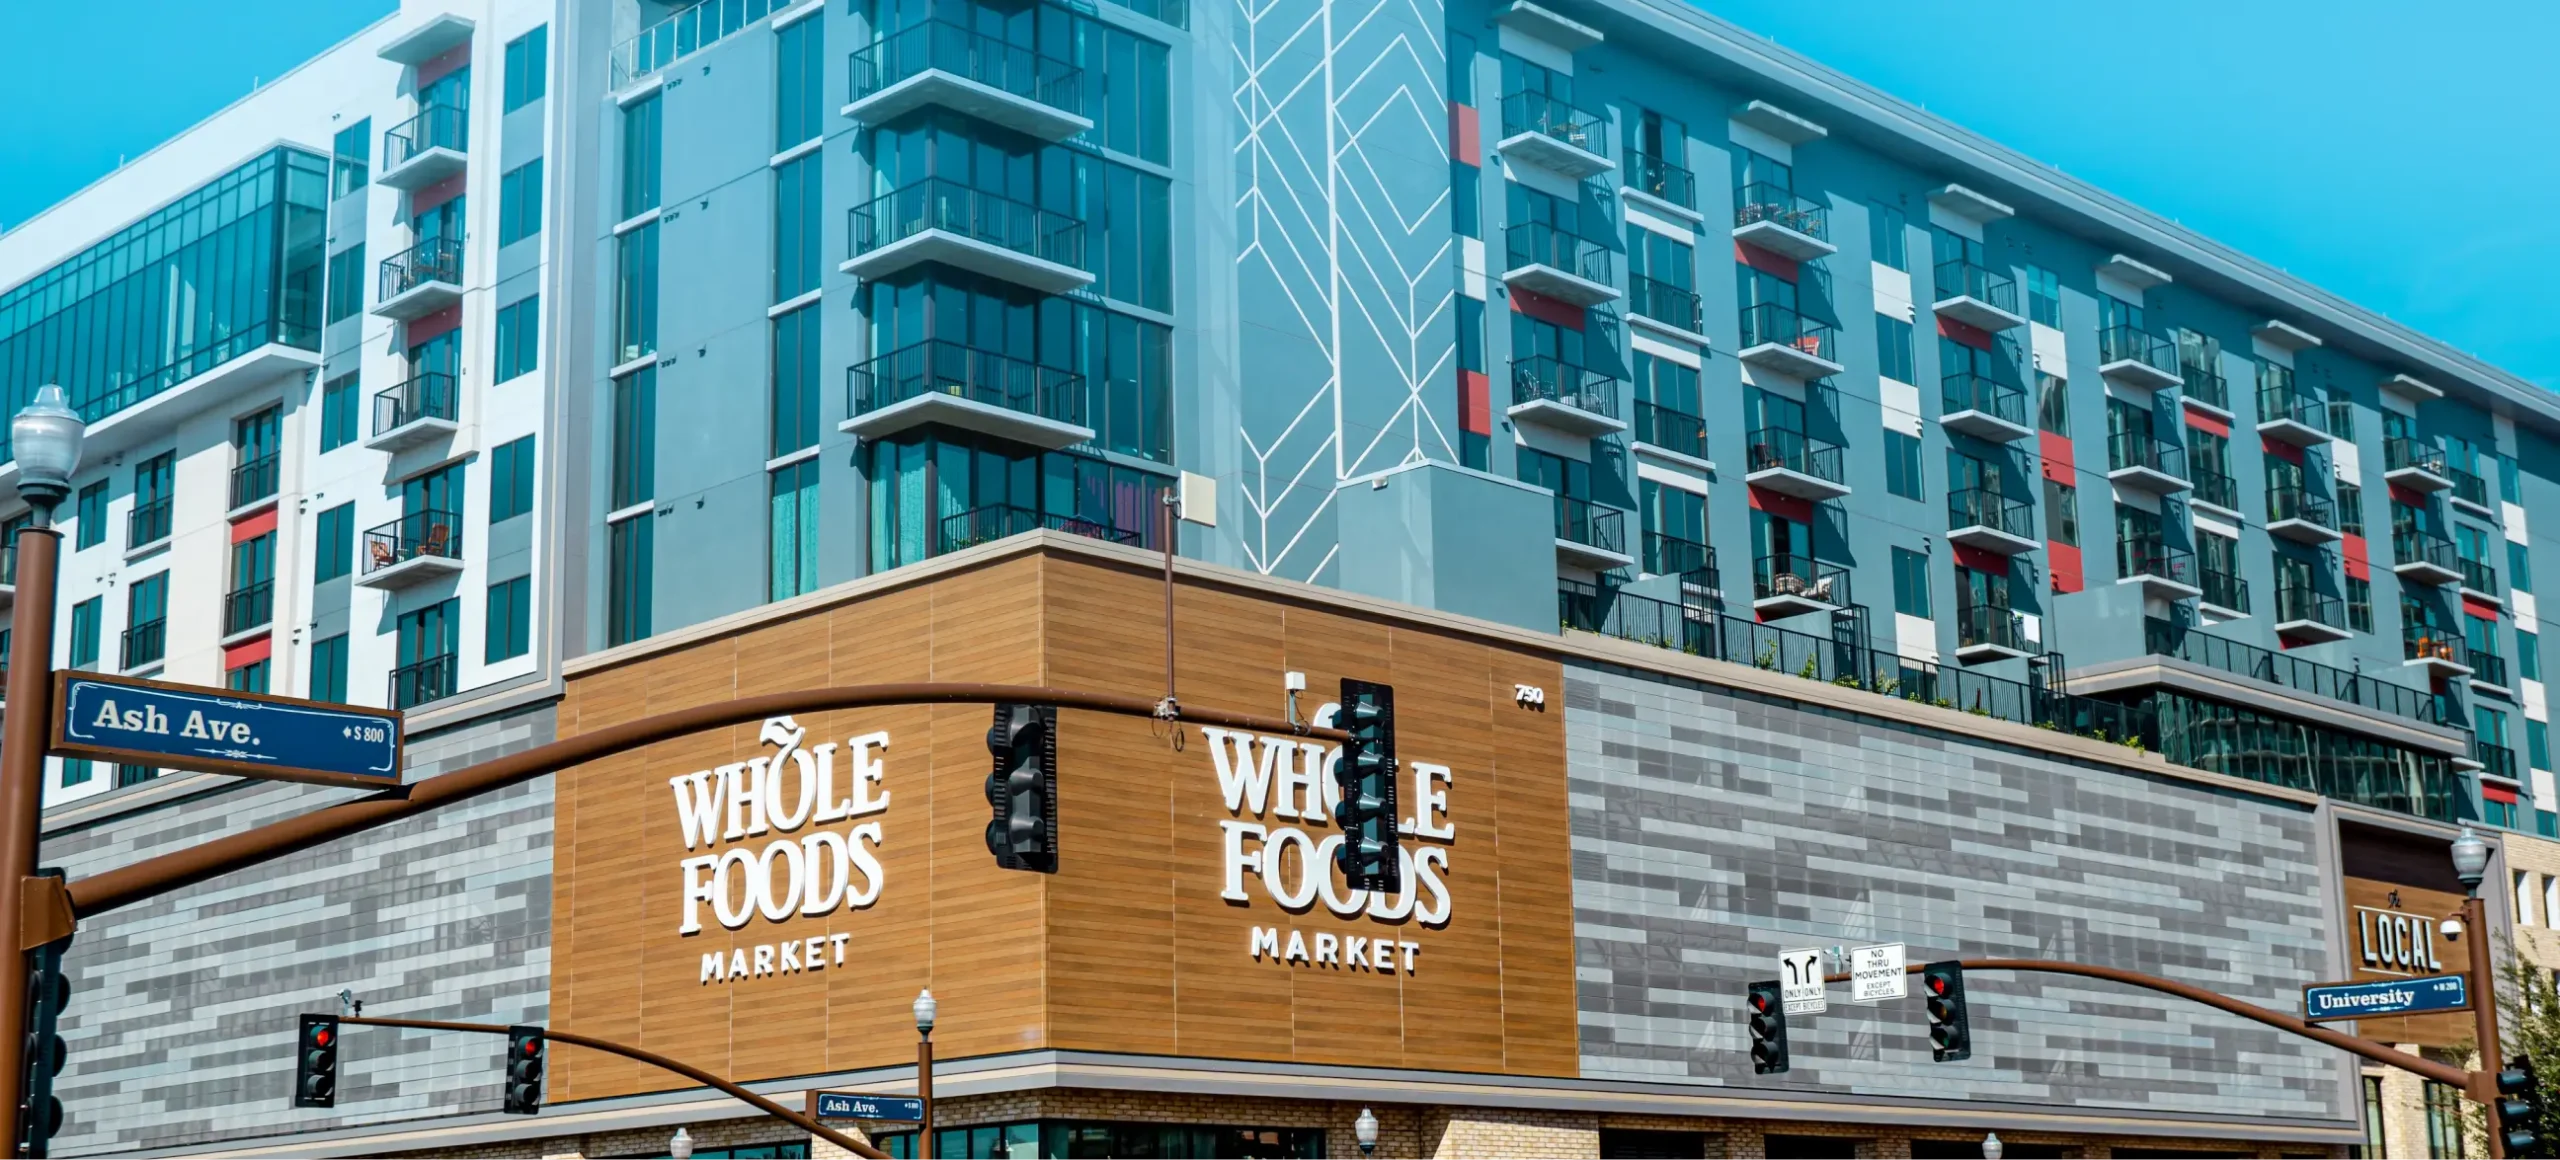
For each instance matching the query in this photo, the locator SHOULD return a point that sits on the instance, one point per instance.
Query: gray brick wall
(1712, 830)
(183, 1013)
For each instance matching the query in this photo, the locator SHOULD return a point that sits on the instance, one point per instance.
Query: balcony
(2479, 580)
(2293, 672)
(249, 608)
(1545, 260)
(254, 482)
(1977, 518)
(2139, 459)
(2215, 489)
(2494, 760)
(148, 523)
(422, 681)
(992, 522)
(1983, 408)
(2306, 616)
(2489, 671)
(1674, 307)
(2289, 416)
(1785, 342)
(2470, 491)
(2226, 593)
(1590, 536)
(1790, 463)
(2137, 359)
(2205, 390)
(2439, 651)
(2296, 514)
(1541, 131)
(951, 385)
(1652, 177)
(1783, 586)
(1990, 633)
(416, 548)
(940, 64)
(1669, 555)
(425, 279)
(425, 149)
(2164, 572)
(2418, 466)
(420, 410)
(1678, 434)
(145, 644)
(1977, 297)
(1772, 218)
(1563, 397)
(939, 220)
(2423, 558)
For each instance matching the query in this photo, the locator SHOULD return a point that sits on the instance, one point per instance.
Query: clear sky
(2404, 156)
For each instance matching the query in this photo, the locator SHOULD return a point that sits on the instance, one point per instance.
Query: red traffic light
(532, 1047)
(1760, 1002)
(323, 1036)
(1938, 984)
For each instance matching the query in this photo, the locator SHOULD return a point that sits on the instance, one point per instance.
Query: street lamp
(2470, 859)
(926, 1009)
(1365, 1129)
(1991, 1147)
(45, 439)
(2470, 866)
(680, 1145)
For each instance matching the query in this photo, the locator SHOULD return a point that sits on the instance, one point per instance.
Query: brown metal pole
(2484, 1017)
(924, 1093)
(651, 1058)
(1166, 502)
(153, 877)
(24, 734)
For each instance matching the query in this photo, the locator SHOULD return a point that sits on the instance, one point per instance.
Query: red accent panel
(1464, 143)
(1765, 262)
(1787, 507)
(2352, 550)
(248, 652)
(444, 64)
(1545, 309)
(2280, 449)
(1475, 412)
(2056, 452)
(2063, 561)
(254, 526)
(435, 325)
(437, 194)
(2497, 794)
(2207, 423)
(1972, 336)
(2409, 496)
(2477, 610)
(1981, 560)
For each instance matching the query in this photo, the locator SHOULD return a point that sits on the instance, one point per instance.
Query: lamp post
(1365, 1130)
(926, 1009)
(45, 439)
(2470, 867)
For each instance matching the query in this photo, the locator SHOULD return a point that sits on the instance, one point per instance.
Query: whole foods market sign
(782, 836)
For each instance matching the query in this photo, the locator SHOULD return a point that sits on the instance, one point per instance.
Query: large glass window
(640, 137)
(799, 72)
(329, 668)
(351, 153)
(146, 636)
(635, 437)
(89, 519)
(1675, 528)
(85, 618)
(508, 630)
(1893, 349)
(429, 640)
(2053, 404)
(1074, 1138)
(796, 261)
(1125, 364)
(520, 202)
(527, 60)
(155, 483)
(2044, 297)
(341, 413)
(630, 563)
(795, 381)
(1910, 583)
(794, 509)
(635, 313)
(1902, 466)
(252, 600)
(254, 443)
(1888, 241)
(334, 542)
(511, 477)
(347, 274)
(519, 338)
(936, 492)
(2061, 513)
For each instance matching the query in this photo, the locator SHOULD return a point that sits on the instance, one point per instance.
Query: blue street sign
(849, 1106)
(251, 734)
(2386, 997)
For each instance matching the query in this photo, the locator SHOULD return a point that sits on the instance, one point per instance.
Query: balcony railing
(2216, 488)
(2402, 452)
(1669, 555)
(2413, 546)
(685, 32)
(2131, 449)
(1802, 577)
(148, 522)
(1980, 507)
(1763, 201)
(1591, 525)
(427, 396)
(1653, 175)
(2148, 557)
(1671, 430)
(2228, 591)
(435, 127)
(2489, 669)
(422, 681)
(254, 480)
(2419, 641)
(1528, 112)
(2125, 344)
(940, 45)
(938, 366)
(417, 534)
(249, 607)
(2495, 760)
(1557, 381)
(145, 644)
(2293, 502)
(433, 260)
(2287, 670)
(2479, 576)
(2207, 386)
(2468, 487)
(1770, 322)
(937, 203)
(2280, 401)
(992, 522)
(2298, 603)
(1664, 302)
(1967, 391)
(1781, 448)
(1984, 624)
(1537, 243)
(1958, 278)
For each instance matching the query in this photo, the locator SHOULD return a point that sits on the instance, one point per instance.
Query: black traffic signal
(1950, 1032)
(524, 1071)
(1023, 789)
(1768, 1011)
(48, 991)
(315, 1063)
(2519, 1107)
(1367, 778)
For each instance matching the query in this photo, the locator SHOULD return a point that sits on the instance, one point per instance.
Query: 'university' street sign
(2387, 997)
(134, 721)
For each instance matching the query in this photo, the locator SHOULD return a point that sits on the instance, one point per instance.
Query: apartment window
(146, 621)
(526, 61)
(520, 202)
(2444, 1121)
(329, 669)
(511, 479)
(1902, 465)
(2359, 604)
(794, 520)
(795, 381)
(2062, 513)
(428, 641)
(519, 338)
(1462, 69)
(252, 600)
(253, 442)
(2044, 297)
(635, 437)
(1466, 199)
(2537, 743)
(154, 500)
(2519, 566)
(2053, 404)
(85, 619)
(333, 545)
(510, 620)
(796, 263)
(352, 155)
(635, 311)
(1132, 259)
(248, 678)
(2528, 655)
(629, 563)
(347, 273)
(340, 416)
(1888, 236)
(799, 79)
(640, 133)
(75, 771)
(2510, 480)
(2350, 508)
(1910, 583)
(2342, 420)
(91, 516)
(1893, 349)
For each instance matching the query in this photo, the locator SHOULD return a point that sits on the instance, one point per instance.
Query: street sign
(1877, 973)
(139, 722)
(1800, 981)
(856, 1106)
(2388, 997)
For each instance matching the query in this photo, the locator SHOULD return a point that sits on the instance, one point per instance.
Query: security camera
(2452, 928)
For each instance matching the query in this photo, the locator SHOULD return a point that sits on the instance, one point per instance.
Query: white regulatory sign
(1800, 981)
(1876, 973)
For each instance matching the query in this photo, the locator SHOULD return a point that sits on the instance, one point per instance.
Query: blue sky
(2403, 156)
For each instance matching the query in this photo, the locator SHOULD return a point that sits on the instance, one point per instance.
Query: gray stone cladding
(1713, 829)
(185, 1008)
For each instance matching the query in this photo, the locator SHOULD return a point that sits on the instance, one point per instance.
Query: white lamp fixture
(1365, 1129)
(45, 439)
(925, 1010)
(680, 1145)
(2470, 859)
(1991, 1147)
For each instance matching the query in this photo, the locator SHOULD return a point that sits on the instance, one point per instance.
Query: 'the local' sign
(2389, 997)
(126, 719)
(855, 1106)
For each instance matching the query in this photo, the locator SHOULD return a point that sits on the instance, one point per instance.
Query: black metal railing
(149, 521)
(941, 45)
(2301, 604)
(1763, 201)
(2228, 591)
(1772, 324)
(2412, 546)
(2295, 502)
(1975, 507)
(2280, 401)
(2495, 760)
(1670, 430)
(2150, 557)
(2118, 344)
(1528, 112)
(2479, 575)
(1958, 278)
(1557, 381)
(2132, 449)
(991, 522)
(942, 367)
(1799, 577)
(1967, 391)
(1653, 175)
(1591, 525)
(419, 682)
(1986, 624)
(2215, 487)
(2489, 669)
(145, 644)
(2207, 386)
(2163, 638)
(2422, 641)
(1782, 448)
(254, 480)
(1669, 555)
(1540, 244)
(435, 127)
(2468, 487)
(247, 608)
(433, 260)
(427, 396)
(415, 535)
(939, 203)
(2401, 453)
(1663, 302)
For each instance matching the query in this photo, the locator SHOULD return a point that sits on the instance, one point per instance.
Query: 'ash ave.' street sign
(126, 719)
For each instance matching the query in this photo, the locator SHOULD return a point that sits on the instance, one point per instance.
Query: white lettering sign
(2393, 942)
(791, 874)
(1876, 973)
(1800, 982)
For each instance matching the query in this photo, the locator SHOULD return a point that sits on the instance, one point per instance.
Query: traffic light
(1950, 1032)
(48, 990)
(2519, 1107)
(315, 1063)
(524, 1071)
(1768, 1028)
(1023, 789)
(1367, 778)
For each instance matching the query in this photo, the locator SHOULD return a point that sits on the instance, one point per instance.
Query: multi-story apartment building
(512, 347)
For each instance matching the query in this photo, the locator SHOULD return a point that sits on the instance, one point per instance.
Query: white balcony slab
(2283, 335)
(1985, 426)
(1779, 123)
(1784, 241)
(1789, 359)
(1802, 485)
(1991, 539)
(1555, 155)
(422, 169)
(1541, 278)
(424, 298)
(2134, 372)
(1569, 35)
(2148, 478)
(1557, 415)
(409, 573)
(1976, 313)
(432, 39)
(970, 254)
(2302, 531)
(948, 410)
(421, 430)
(948, 90)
